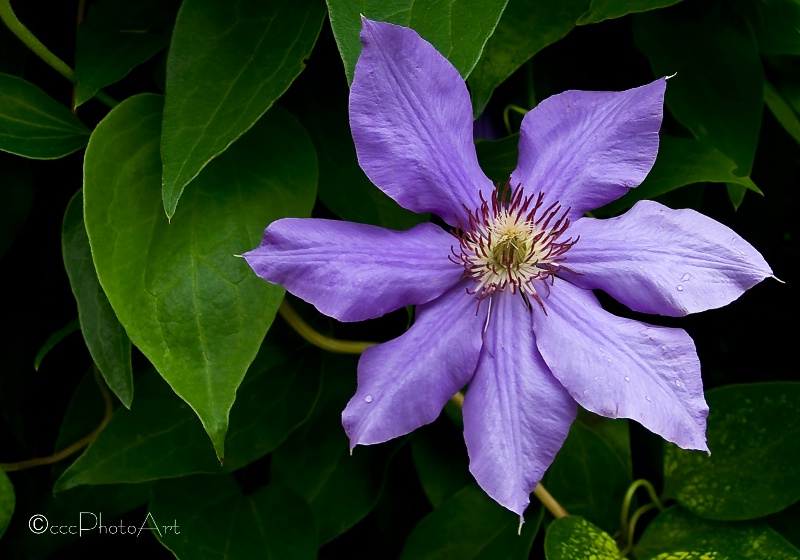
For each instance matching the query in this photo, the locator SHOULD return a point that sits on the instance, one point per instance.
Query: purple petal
(411, 119)
(617, 367)
(657, 260)
(587, 148)
(404, 383)
(354, 271)
(516, 414)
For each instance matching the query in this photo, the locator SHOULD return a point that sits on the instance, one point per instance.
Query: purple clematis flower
(504, 300)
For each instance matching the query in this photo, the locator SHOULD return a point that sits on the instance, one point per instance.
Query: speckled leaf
(276, 396)
(105, 338)
(526, 27)
(680, 162)
(749, 426)
(340, 488)
(678, 530)
(601, 10)
(696, 556)
(34, 125)
(472, 526)
(7, 501)
(195, 310)
(117, 36)
(458, 29)
(228, 63)
(718, 92)
(214, 520)
(574, 538)
(589, 478)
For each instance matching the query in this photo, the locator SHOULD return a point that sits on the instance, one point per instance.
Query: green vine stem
(355, 347)
(34, 44)
(627, 528)
(74, 447)
(318, 339)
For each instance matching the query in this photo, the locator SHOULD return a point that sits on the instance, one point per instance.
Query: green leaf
(343, 186)
(472, 526)
(498, 158)
(53, 340)
(776, 25)
(680, 162)
(526, 27)
(195, 310)
(228, 63)
(458, 30)
(116, 37)
(574, 538)
(749, 473)
(35, 496)
(589, 479)
(736, 194)
(696, 556)
(718, 90)
(782, 111)
(340, 488)
(161, 438)
(34, 125)
(440, 457)
(678, 530)
(786, 522)
(105, 338)
(7, 501)
(601, 10)
(207, 517)
(16, 198)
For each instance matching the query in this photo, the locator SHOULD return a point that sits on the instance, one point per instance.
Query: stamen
(509, 242)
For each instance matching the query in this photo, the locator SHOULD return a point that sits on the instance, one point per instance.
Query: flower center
(511, 241)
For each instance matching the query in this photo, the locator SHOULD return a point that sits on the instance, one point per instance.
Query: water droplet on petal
(586, 391)
(649, 399)
(677, 382)
(610, 360)
(686, 277)
(368, 399)
(628, 379)
(679, 288)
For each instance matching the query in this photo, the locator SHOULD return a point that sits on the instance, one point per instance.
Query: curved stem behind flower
(70, 449)
(318, 339)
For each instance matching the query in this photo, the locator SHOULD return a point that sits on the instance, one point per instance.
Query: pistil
(512, 241)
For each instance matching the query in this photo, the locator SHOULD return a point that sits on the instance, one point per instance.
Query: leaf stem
(627, 528)
(318, 339)
(34, 44)
(74, 447)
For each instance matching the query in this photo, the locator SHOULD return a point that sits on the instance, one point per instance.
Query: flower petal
(617, 367)
(404, 383)
(354, 271)
(411, 119)
(658, 260)
(516, 414)
(587, 148)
